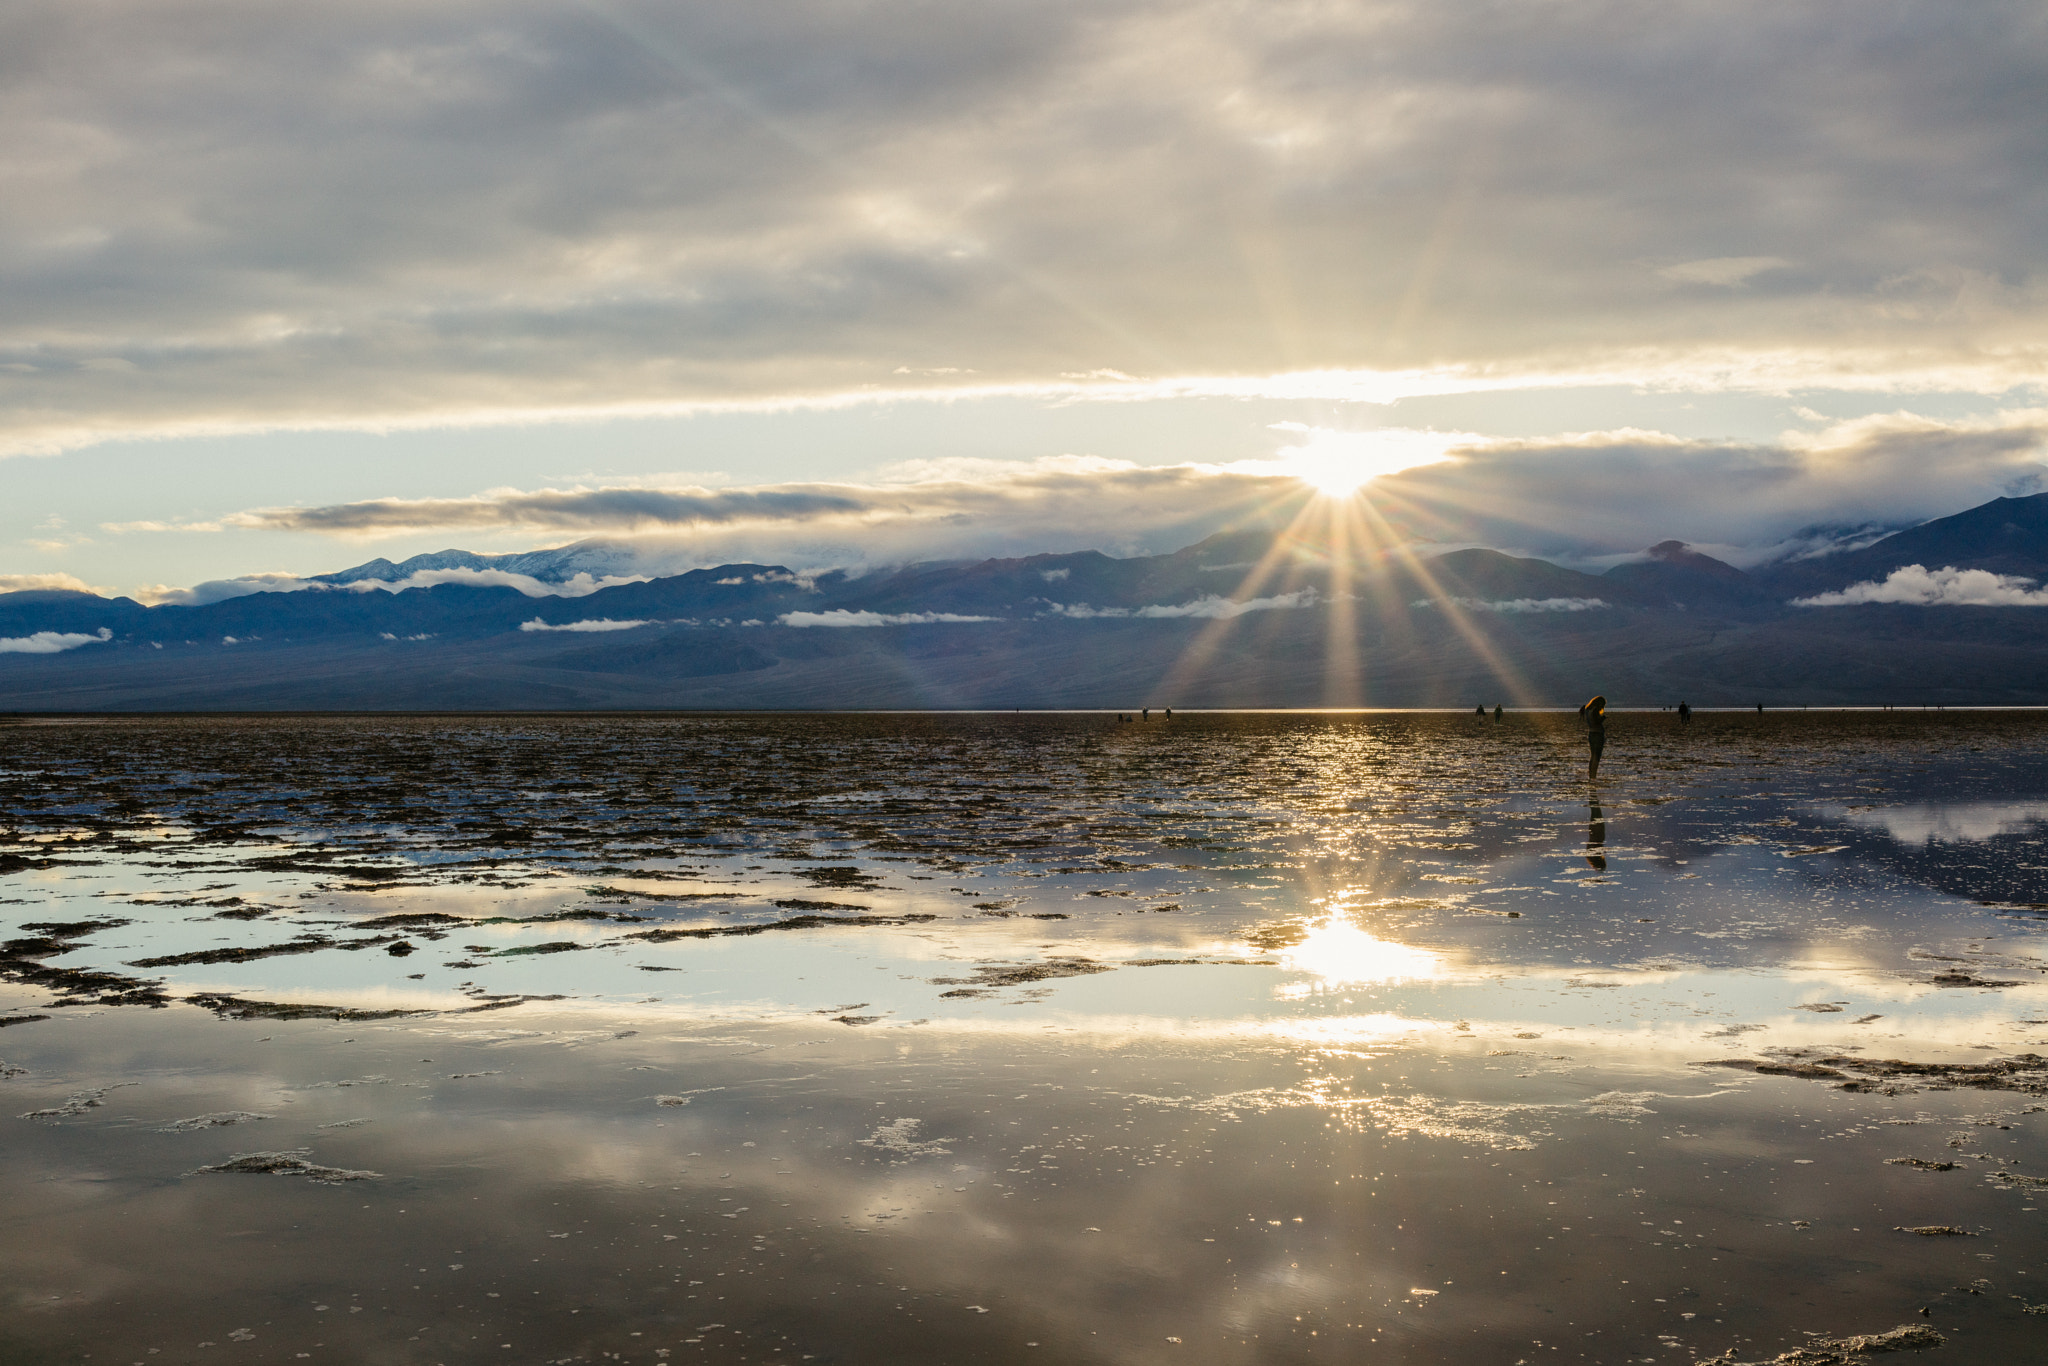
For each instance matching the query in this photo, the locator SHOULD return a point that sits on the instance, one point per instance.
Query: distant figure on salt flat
(1594, 714)
(1759, 709)
(1496, 713)
(1684, 713)
(1480, 711)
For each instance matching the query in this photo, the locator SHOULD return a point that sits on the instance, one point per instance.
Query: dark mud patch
(798, 922)
(6, 1020)
(1282, 936)
(1969, 979)
(994, 976)
(1907, 1337)
(241, 955)
(291, 1162)
(497, 1003)
(843, 876)
(2024, 1072)
(1920, 1164)
(21, 961)
(77, 1104)
(412, 920)
(22, 863)
(220, 1120)
(1767, 1068)
(797, 903)
(526, 950)
(236, 1008)
(1935, 1230)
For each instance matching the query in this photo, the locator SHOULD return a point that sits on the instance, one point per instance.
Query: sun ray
(1442, 600)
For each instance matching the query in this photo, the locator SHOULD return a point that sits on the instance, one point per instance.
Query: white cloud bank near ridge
(813, 201)
(1916, 585)
(1516, 606)
(587, 624)
(219, 590)
(29, 583)
(52, 642)
(840, 616)
(1577, 497)
(1210, 607)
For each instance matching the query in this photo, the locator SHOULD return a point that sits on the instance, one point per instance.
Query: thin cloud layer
(29, 583)
(1210, 607)
(1604, 493)
(1588, 499)
(588, 624)
(1517, 606)
(578, 585)
(840, 616)
(959, 509)
(51, 642)
(244, 214)
(1919, 586)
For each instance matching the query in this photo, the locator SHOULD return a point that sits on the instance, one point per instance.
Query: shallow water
(1234, 1038)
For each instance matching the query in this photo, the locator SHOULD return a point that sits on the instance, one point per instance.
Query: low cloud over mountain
(1313, 613)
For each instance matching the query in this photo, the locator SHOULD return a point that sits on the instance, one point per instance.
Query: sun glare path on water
(1337, 953)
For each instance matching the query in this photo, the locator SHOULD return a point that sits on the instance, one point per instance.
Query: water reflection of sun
(1335, 952)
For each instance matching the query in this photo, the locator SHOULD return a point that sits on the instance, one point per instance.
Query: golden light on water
(1337, 952)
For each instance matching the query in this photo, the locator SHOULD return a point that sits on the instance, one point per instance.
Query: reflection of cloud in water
(1963, 823)
(1337, 952)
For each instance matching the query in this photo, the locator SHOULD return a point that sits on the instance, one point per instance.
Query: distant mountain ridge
(1242, 618)
(599, 559)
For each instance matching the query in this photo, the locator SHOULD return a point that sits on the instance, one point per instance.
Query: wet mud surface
(1231, 1038)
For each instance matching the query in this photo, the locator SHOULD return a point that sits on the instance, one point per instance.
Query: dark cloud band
(245, 214)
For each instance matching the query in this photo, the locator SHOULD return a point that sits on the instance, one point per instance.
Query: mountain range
(1242, 619)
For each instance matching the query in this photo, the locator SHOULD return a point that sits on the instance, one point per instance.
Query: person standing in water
(1594, 714)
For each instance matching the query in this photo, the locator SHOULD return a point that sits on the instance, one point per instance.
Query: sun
(1338, 464)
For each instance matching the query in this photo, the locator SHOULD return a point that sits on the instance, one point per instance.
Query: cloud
(1210, 607)
(1946, 587)
(31, 583)
(1726, 271)
(1591, 499)
(219, 590)
(624, 509)
(1582, 497)
(1604, 493)
(841, 617)
(949, 510)
(1517, 605)
(1957, 823)
(447, 212)
(51, 642)
(588, 624)
(578, 585)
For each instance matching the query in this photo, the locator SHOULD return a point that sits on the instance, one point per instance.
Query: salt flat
(1225, 1037)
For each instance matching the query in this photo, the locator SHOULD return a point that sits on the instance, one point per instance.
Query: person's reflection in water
(1596, 837)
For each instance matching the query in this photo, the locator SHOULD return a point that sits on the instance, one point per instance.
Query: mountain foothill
(1248, 618)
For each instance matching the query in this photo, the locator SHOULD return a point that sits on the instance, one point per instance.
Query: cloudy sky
(283, 287)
